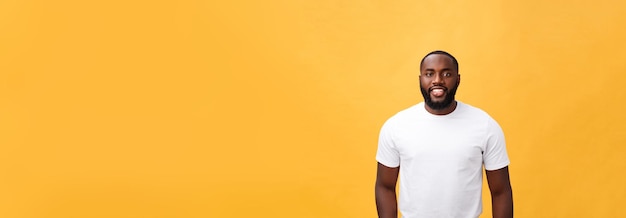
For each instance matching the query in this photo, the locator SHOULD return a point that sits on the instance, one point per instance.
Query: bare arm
(386, 203)
(501, 193)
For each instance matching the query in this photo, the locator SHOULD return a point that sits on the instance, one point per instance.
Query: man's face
(439, 80)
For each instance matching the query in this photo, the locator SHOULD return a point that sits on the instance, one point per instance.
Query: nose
(438, 80)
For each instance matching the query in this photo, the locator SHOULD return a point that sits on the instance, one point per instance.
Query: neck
(443, 111)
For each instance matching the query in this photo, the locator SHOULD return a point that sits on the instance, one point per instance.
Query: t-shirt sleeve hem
(497, 166)
(387, 164)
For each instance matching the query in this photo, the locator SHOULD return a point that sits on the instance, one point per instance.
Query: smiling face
(439, 80)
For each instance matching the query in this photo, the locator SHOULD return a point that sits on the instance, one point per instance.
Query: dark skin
(386, 202)
(501, 193)
(438, 72)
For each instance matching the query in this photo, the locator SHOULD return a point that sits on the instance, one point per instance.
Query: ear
(458, 81)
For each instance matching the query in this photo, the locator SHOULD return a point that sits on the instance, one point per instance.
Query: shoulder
(469, 110)
(480, 117)
(407, 115)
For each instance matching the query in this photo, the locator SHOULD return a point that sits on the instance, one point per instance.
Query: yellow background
(272, 108)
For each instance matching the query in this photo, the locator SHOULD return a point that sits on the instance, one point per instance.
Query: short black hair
(456, 64)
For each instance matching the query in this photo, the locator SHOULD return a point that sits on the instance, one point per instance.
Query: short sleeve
(387, 153)
(495, 156)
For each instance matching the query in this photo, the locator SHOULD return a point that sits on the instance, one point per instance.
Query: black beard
(439, 105)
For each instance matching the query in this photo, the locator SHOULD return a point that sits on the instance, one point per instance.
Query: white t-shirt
(441, 159)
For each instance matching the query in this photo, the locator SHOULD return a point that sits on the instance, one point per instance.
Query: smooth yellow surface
(272, 108)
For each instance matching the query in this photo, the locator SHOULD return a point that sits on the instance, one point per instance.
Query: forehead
(438, 61)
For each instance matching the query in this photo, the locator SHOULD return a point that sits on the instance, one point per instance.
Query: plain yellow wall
(272, 108)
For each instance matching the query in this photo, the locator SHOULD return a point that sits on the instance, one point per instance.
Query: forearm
(502, 204)
(386, 202)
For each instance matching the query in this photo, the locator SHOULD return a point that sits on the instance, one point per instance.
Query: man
(439, 147)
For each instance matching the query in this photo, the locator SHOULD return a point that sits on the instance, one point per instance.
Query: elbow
(502, 193)
(505, 191)
(381, 186)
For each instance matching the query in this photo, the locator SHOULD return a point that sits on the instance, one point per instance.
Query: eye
(447, 74)
(429, 74)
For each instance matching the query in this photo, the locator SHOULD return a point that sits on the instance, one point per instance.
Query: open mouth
(438, 91)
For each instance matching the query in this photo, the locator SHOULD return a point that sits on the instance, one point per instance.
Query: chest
(451, 142)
